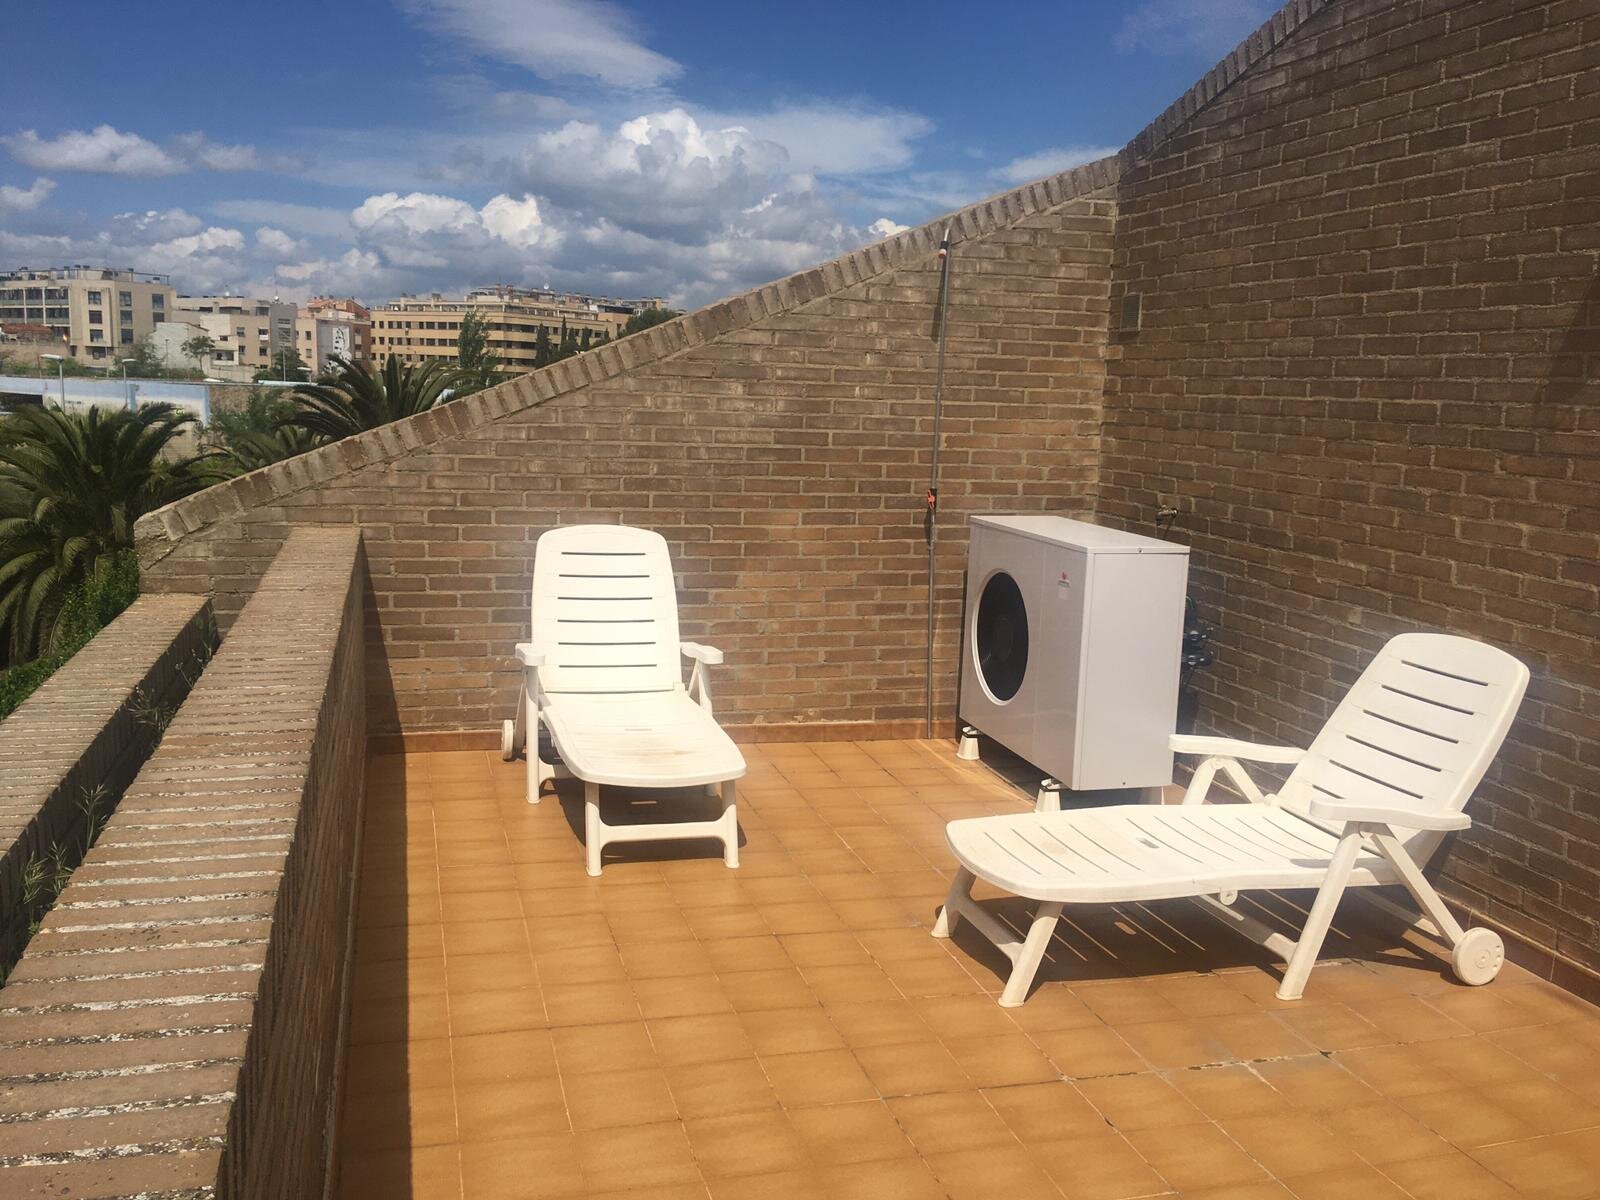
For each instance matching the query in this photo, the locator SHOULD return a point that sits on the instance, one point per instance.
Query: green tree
(258, 434)
(145, 363)
(569, 342)
(360, 398)
(71, 487)
(286, 364)
(544, 351)
(645, 318)
(479, 368)
(199, 348)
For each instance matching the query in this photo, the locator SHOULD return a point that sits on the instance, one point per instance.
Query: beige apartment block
(326, 328)
(97, 312)
(424, 328)
(247, 331)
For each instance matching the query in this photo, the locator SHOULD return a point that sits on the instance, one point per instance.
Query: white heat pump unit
(1071, 648)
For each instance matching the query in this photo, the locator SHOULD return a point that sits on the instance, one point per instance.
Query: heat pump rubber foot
(1048, 798)
(967, 744)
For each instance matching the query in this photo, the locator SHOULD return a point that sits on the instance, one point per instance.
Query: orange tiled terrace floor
(677, 1030)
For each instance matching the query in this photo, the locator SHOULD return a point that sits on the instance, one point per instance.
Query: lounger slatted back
(601, 674)
(605, 611)
(1414, 735)
(1367, 804)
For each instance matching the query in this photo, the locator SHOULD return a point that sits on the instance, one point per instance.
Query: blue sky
(688, 150)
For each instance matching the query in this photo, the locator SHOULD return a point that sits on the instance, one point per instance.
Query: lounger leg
(1321, 916)
(730, 823)
(538, 771)
(1030, 955)
(950, 914)
(593, 827)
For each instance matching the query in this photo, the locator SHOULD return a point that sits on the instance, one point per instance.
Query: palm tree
(257, 434)
(360, 398)
(71, 487)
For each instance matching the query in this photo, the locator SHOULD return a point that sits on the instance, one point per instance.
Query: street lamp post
(61, 373)
(127, 394)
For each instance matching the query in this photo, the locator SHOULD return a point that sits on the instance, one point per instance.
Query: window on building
(96, 317)
(239, 332)
(125, 336)
(125, 299)
(158, 301)
(94, 297)
(97, 335)
(126, 316)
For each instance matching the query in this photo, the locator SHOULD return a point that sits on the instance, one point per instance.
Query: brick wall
(780, 441)
(175, 1028)
(72, 746)
(1366, 374)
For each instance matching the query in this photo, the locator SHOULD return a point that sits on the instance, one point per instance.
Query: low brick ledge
(174, 1029)
(88, 727)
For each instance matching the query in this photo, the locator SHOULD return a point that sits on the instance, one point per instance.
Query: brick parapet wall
(78, 740)
(781, 443)
(175, 1027)
(1366, 373)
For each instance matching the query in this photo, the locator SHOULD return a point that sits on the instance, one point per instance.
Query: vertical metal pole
(932, 518)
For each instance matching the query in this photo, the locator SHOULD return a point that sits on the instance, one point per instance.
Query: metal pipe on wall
(930, 520)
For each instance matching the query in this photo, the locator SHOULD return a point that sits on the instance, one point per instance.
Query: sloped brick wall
(780, 442)
(1367, 375)
(175, 1027)
(74, 745)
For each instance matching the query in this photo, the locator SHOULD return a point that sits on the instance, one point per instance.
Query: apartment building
(246, 331)
(326, 328)
(421, 328)
(98, 313)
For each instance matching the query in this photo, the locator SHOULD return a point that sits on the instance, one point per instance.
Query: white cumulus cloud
(15, 199)
(883, 227)
(107, 150)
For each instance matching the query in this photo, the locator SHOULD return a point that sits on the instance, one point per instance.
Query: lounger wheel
(1478, 956)
(508, 740)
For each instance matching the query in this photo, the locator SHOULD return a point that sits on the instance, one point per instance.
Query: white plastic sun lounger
(1367, 804)
(601, 672)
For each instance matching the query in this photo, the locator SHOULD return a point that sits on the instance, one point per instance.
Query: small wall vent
(1131, 312)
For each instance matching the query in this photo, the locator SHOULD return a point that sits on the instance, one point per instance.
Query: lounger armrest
(1188, 743)
(528, 656)
(709, 655)
(1321, 809)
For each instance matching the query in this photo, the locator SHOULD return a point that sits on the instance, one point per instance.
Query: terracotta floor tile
(606, 1098)
(680, 1041)
(1395, 1071)
(589, 1003)
(1089, 1052)
(891, 1179)
(377, 1068)
(1332, 1026)
(1128, 1002)
(720, 1089)
(881, 1023)
(1256, 1035)
(912, 1068)
(543, 1167)
(1190, 1157)
(996, 1061)
(636, 1156)
(619, 1046)
(864, 1131)
(1359, 1182)
(850, 985)
(1545, 1167)
(756, 991)
(580, 964)
(1130, 1102)
(803, 1184)
(1289, 1143)
(489, 972)
(1098, 1166)
(394, 1120)
(791, 1030)
(680, 996)
(992, 1171)
(836, 949)
(1172, 1044)
(950, 1121)
(756, 1143)
(490, 1112)
(1045, 1112)
(1227, 1091)
(763, 952)
(1449, 1177)
(420, 1173)
(1316, 1084)
(496, 1011)
(496, 1057)
(817, 1077)
(1468, 1119)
